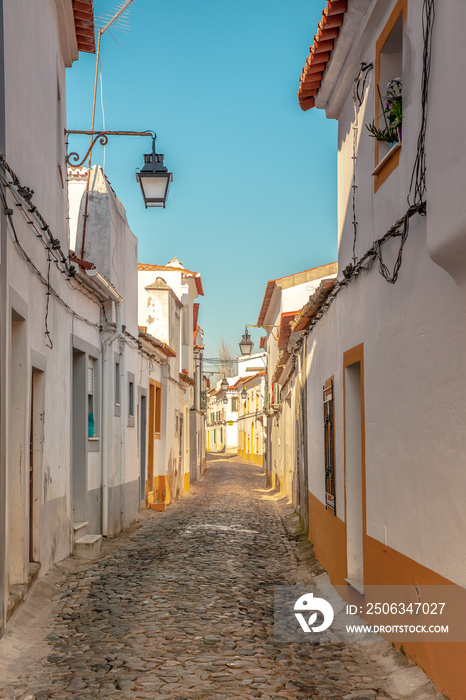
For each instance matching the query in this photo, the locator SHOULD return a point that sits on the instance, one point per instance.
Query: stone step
(79, 529)
(88, 546)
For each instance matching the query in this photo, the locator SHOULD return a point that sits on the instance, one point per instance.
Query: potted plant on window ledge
(392, 114)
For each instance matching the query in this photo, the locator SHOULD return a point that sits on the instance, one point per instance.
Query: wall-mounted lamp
(154, 179)
(246, 345)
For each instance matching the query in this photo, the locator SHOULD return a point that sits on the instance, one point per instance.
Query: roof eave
(347, 56)
(326, 79)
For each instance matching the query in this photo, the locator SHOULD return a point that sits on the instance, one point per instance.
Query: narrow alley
(182, 607)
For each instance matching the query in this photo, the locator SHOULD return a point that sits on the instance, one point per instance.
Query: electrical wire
(417, 204)
(418, 178)
(44, 280)
(23, 200)
(359, 91)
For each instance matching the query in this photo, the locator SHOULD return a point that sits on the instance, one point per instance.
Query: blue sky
(254, 178)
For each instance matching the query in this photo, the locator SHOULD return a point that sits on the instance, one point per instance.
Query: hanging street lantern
(224, 385)
(154, 179)
(246, 345)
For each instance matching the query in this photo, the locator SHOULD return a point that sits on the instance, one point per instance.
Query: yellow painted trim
(443, 663)
(161, 490)
(187, 483)
(157, 409)
(386, 170)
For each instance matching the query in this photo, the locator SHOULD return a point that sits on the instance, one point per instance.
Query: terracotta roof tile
(300, 277)
(235, 385)
(84, 25)
(142, 267)
(195, 315)
(279, 367)
(286, 321)
(313, 306)
(167, 268)
(158, 344)
(320, 52)
(184, 377)
(246, 380)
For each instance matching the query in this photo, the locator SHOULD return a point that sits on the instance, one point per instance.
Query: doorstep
(18, 592)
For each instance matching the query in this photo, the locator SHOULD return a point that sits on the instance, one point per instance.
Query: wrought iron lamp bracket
(73, 159)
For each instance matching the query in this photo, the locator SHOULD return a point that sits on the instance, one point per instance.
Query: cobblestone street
(182, 608)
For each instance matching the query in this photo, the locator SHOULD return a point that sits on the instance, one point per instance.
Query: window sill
(93, 444)
(387, 157)
(386, 166)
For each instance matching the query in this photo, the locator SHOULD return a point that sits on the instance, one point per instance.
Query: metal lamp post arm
(101, 136)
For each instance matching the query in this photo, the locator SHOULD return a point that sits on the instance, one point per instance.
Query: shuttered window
(329, 445)
(90, 378)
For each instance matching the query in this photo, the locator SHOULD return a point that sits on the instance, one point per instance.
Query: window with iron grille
(329, 445)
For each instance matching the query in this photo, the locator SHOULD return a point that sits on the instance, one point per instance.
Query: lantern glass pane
(246, 348)
(155, 187)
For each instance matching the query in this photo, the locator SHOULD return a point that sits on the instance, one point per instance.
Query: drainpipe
(123, 414)
(3, 357)
(107, 389)
(197, 388)
(107, 413)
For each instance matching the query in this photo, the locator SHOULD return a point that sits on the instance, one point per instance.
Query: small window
(131, 400)
(329, 445)
(117, 384)
(389, 82)
(234, 404)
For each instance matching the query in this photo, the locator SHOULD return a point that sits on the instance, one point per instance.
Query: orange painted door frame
(354, 462)
(151, 438)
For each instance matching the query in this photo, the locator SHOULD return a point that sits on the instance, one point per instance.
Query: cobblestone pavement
(182, 608)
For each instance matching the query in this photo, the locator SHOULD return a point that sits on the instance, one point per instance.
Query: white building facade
(383, 362)
(94, 407)
(168, 311)
(282, 302)
(45, 311)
